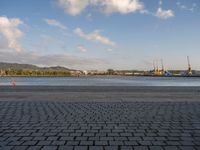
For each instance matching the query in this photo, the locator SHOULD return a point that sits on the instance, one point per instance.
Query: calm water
(102, 81)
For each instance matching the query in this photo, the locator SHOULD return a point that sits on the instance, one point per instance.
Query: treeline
(25, 72)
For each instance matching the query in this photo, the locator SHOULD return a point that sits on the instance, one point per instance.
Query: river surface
(101, 81)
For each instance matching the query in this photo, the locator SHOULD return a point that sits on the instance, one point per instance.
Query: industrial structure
(157, 70)
(189, 71)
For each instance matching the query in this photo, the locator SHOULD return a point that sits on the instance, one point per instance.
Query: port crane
(157, 71)
(189, 71)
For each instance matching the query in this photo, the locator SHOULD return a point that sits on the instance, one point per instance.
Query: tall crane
(157, 71)
(154, 66)
(189, 71)
(163, 70)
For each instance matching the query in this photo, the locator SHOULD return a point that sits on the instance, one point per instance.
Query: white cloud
(120, 6)
(10, 32)
(95, 37)
(187, 8)
(164, 14)
(109, 49)
(73, 7)
(55, 23)
(89, 17)
(82, 48)
(160, 2)
(76, 7)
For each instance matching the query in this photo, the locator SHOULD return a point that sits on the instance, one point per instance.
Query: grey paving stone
(20, 147)
(86, 143)
(49, 148)
(197, 147)
(15, 143)
(156, 148)
(126, 148)
(111, 148)
(52, 138)
(140, 148)
(112, 125)
(95, 147)
(171, 148)
(116, 143)
(73, 143)
(187, 148)
(6, 147)
(80, 148)
(26, 138)
(65, 148)
(34, 148)
(133, 143)
(29, 143)
(67, 138)
(38, 138)
(101, 143)
(145, 142)
(58, 143)
(46, 143)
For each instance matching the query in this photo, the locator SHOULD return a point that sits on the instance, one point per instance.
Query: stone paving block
(80, 147)
(20, 147)
(15, 143)
(49, 148)
(116, 143)
(133, 143)
(73, 143)
(65, 148)
(67, 138)
(45, 143)
(145, 142)
(101, 143)
(95, 147)
(156, 148)
(86, 143)
(197, 147)
(126, 148)
(58, 143)
(26, 138)
(6, 147)
(106, 138)
(34, 148)
(111, 125)
(171, 148)
(52, 138)
(80, 138)
(187, 148)
(29, 143)
(111, 148)
(141, 148)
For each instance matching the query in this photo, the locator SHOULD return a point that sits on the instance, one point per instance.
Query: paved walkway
(99, 126)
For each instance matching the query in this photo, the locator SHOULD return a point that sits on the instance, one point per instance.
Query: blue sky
(100, 34)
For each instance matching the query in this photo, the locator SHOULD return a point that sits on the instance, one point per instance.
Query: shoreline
(176, 76)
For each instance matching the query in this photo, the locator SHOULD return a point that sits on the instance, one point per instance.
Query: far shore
(177, 76)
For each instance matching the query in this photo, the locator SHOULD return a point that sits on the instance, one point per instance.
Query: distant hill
(17, 66)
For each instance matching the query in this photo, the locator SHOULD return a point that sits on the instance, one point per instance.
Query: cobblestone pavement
(99, 126)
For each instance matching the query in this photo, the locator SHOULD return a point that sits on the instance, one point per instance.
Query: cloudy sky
(100, 34)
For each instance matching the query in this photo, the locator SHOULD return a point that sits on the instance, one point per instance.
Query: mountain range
(17, 66)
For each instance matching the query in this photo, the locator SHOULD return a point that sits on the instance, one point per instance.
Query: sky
(101, 34)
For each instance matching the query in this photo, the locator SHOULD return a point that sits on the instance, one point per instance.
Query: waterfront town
(158, 70)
